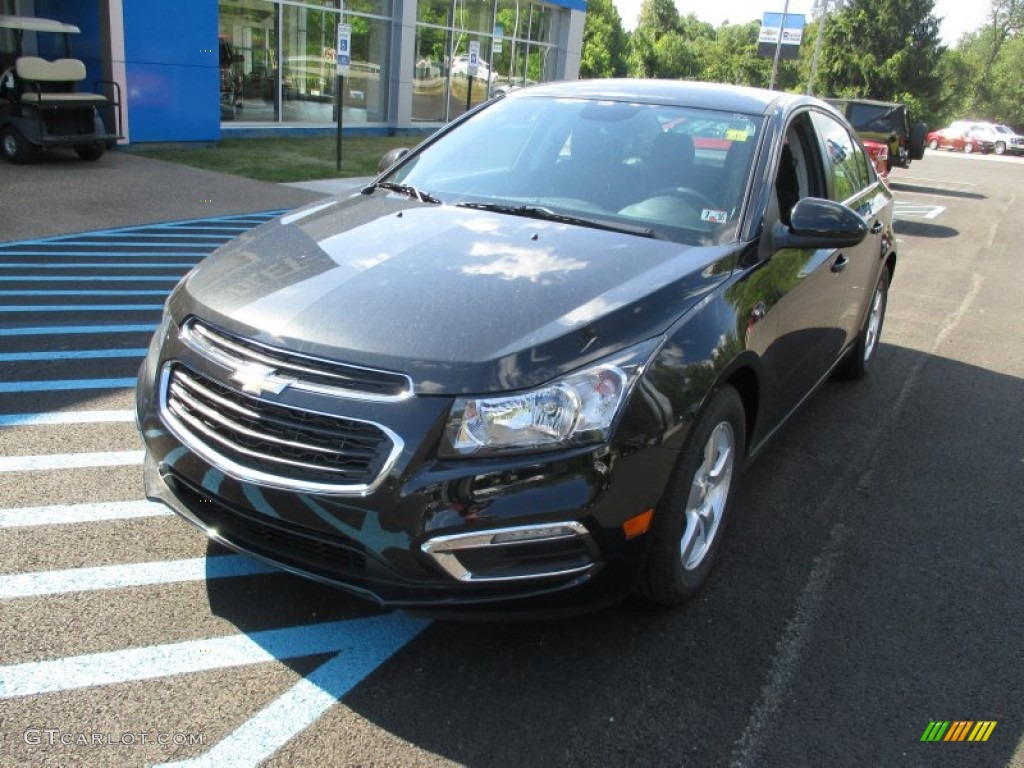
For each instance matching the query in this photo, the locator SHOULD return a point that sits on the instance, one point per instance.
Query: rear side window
(846, 163)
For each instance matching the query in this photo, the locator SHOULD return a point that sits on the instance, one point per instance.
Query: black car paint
(771, 323)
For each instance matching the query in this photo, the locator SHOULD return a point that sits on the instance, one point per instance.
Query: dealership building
(200, 70)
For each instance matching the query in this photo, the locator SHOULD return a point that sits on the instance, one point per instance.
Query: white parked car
(1003, 138)
(1008, 140)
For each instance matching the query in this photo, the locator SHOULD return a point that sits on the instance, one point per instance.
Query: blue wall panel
(173, 70)
(85, 15)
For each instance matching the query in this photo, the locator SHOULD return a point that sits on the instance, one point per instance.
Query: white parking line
(53, 461)
(40, 583)
(285, 718)
(69, 514)
(356, 639)
(934, 181)
(918, 210)
(66, 417)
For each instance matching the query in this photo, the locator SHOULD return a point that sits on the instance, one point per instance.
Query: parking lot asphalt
(61, 194)
(870, 586)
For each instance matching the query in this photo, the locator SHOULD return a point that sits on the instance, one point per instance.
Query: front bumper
(521, 534)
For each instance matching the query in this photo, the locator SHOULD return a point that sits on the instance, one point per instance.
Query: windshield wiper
(546, 214)
(403, 189)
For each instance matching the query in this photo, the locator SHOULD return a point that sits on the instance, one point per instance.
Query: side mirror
(817, 223)
(391, 157)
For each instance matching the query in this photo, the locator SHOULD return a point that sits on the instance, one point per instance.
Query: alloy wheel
(709, 492)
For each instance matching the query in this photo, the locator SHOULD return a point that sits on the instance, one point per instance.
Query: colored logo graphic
(958, 730)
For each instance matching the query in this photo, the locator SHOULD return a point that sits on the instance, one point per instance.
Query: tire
(692, 517)
(1000, 148)
(918, 132)
(968, 148)
(858, 360)
(16, 148)
(90, 151)
(933, 144)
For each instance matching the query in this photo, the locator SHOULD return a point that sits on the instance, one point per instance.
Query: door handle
(876, 227)
(840, 263)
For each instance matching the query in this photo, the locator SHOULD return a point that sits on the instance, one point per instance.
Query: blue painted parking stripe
(60, 292)
(51, 461)
(77, 329)
(42, 583)
(75, 514)
(51, 308)
(161, 249)
(64, 385)
(89, 278)
(56, 418)
(250, 219)
(94, 265)
(285, 718)
(75, 354)
(353, 639)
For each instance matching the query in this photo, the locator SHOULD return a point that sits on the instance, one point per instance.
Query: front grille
(302, 371)
(272, 444)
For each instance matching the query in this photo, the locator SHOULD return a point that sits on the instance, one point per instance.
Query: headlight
(578, 408)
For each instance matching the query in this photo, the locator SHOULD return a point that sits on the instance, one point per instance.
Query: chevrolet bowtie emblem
(257, 379)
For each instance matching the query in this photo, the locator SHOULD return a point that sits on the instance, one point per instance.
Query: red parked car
(878, 151)
(960, 137)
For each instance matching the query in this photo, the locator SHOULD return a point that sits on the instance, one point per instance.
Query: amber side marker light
(639, 525)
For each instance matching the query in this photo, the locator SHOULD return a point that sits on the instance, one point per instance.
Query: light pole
(822, 8)
(778, 47)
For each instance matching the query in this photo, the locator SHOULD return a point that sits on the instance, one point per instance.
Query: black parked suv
(887, 122)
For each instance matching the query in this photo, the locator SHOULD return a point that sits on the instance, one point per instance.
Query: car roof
(728, 98)
(872, 102)
(34, 24)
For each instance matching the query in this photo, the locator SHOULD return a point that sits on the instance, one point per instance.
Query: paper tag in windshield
(736, 134)
(715, 217)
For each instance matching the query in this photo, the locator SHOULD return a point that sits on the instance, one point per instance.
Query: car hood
(460, 300)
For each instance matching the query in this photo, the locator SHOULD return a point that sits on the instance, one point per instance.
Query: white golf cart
(41, 104)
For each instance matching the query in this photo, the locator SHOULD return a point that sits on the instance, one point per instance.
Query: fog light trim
(444, 549)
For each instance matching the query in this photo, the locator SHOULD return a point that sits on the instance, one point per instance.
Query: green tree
(730, 56)
(984, 74)
(657, 18)
(882, 49)
(604, 41)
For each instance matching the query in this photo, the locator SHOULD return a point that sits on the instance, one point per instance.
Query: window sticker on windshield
(715, 217)
(736, 134)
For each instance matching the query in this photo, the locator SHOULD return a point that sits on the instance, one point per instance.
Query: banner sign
(792, 35)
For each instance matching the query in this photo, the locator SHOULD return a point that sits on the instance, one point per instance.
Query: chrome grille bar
(273, 444)
(312, 374)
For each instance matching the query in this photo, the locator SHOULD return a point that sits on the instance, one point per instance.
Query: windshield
(679, 173)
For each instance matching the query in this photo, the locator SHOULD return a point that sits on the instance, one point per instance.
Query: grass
(286, 158)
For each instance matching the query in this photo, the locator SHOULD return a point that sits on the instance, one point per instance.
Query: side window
(799, 174)
(845, 161)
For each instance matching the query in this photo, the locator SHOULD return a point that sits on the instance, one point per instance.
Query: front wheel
(691, 518)
(968, 148)
(933, 144)
(1000, 148)
(857, 361)
(16, 148)
(90, 151)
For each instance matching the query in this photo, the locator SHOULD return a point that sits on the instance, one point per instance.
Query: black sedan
(525, 368)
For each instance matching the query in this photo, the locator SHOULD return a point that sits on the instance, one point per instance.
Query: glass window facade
(277, 57)
(517, 44)
(277, 61)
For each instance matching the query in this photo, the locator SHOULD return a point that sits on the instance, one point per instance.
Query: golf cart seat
(50, 82)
